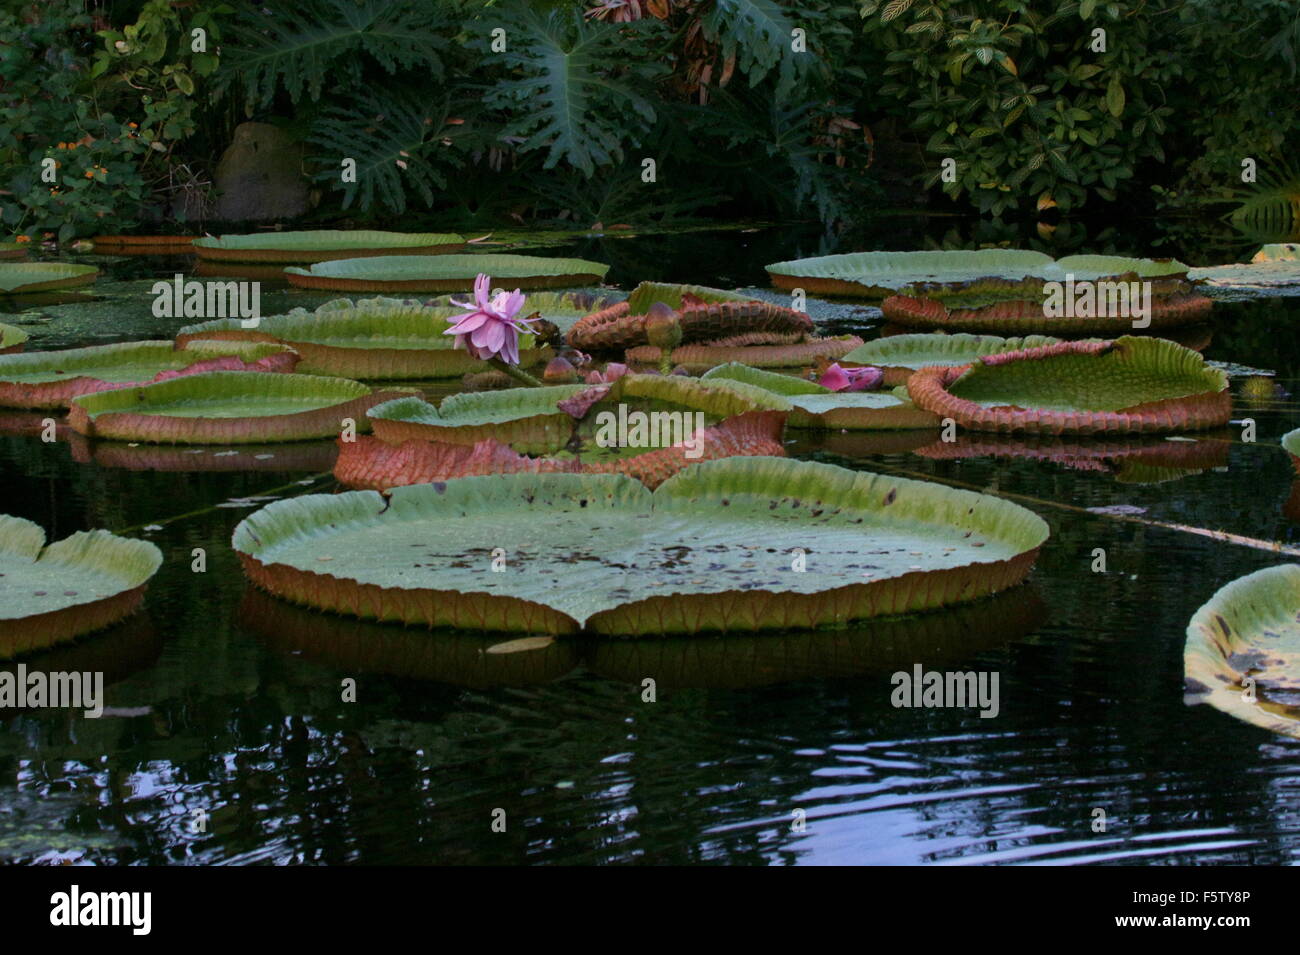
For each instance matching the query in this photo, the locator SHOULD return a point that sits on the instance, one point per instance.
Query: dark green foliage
(747, 107)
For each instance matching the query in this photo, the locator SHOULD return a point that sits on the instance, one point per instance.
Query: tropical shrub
(109, 119)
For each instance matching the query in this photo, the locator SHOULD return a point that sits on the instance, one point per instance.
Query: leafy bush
(109, 120)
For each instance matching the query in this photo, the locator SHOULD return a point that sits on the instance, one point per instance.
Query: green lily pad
(52, 379)
(377, 339)
(1133, 384)
(1274, 267)
(528, 419)
(13, 250)
(444, 273)
(999, 272)
(323, 245)
(83, 583)
(12, 339)
(26, 277)
(716, 547)
(227, 407)
(900, 355)
(1242, 654)
(812, 406)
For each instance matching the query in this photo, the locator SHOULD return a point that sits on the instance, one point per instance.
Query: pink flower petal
(834, 378)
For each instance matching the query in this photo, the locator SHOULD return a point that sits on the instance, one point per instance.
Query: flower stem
(516, 373)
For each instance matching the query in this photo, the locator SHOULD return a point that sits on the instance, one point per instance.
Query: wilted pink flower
(850, 379)
(490, 329)
(613, 372)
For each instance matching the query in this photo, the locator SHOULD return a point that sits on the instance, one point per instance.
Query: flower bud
(662, 328)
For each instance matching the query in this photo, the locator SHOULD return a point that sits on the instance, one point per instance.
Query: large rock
(260, 175)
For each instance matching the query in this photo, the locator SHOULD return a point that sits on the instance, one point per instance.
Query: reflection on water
(730, 661)
(233, 703)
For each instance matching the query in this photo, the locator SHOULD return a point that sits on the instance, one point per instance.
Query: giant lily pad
(372, 463)
(52, 379)
(698, 358)
(444, 273)
(1248, 631)
(704, 314)
(227, 407)
(1001, 272)
(13, 250)
(900, 355)
(142, 244)
(26, 277)
(713, 548)
(528, 418)
(727, 388)
(12, 339)
(324, 245)
(1129, 385)
(373, 339)
(1028, 316)
(1274, 268)
(83, 583)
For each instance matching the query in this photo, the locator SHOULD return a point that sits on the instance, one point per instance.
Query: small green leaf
(1115, 97)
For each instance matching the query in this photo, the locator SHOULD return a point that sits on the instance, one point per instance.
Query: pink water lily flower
(490, 329)
(850, 379)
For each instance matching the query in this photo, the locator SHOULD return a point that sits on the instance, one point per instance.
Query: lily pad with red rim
(12, 339)
(1129, 385)
(22, 278)
(370, 462)
(1004, 273)
(445, 273)
(228, 407)
(52, 379)
(380, 339)
(898, 356)
(57, 592)
(528, 419)
(808, 404)
(323, 245)
(712, 549)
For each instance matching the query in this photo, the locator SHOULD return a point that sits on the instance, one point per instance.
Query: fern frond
(392, 139)
(301, 46)
(1272, 208)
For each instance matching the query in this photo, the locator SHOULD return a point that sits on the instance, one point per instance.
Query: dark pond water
(225, 701)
